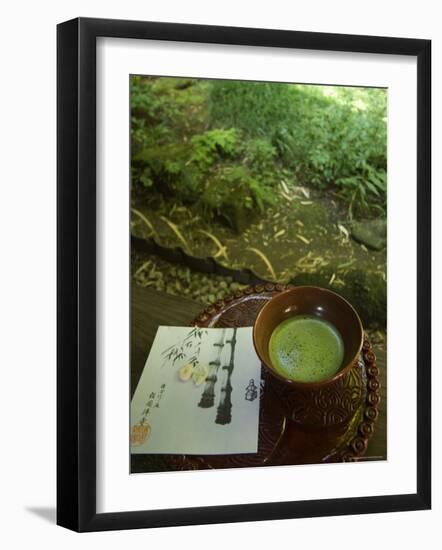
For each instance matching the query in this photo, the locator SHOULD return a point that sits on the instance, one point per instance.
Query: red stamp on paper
(139, 433)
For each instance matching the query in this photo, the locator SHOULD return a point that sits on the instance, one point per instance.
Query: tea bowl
(319, 302)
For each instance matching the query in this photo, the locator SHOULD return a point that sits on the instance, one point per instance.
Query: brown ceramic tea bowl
(309, 300)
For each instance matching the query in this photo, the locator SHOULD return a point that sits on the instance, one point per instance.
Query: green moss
(235, 195)
(368, 292)
(312, 279)
(372, 233)
(365, 290)
(158, 155)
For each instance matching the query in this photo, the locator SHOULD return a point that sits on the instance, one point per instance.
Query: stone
(371, 233)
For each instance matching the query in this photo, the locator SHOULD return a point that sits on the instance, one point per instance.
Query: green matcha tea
(306, 348)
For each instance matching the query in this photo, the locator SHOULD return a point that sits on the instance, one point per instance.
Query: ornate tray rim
(357, 447)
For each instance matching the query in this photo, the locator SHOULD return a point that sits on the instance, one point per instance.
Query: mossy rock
(232, 198)
(372, 233)
(365, 290)
(171, 171)
(313, 279)
(157, 156)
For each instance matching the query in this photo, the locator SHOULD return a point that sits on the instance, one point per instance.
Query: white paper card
(219, 416)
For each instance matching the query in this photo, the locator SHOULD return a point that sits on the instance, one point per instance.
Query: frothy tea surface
(306, 348)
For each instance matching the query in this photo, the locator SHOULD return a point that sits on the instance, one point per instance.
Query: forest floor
(297, 236)
(305, 238)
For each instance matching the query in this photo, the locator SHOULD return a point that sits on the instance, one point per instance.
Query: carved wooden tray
(330, 425)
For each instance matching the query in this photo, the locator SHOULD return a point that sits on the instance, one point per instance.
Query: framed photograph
(243, 218)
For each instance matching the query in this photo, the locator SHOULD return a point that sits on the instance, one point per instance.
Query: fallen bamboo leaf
(306, 203)
(222, 251)
(284, 186)
(265, 260)
(304, 191)
(177, 232)
(145, 220)
(332, 278)
(346, 264)
(344, 230)
(142, 267)
(303, 239)
(286, 196)
(299, 222)
(279, 233)
(310, 263)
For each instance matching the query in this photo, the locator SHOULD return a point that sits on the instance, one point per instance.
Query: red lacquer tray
(303, 427)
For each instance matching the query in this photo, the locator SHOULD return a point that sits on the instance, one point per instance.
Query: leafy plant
(236, 195)
(189, 136)
(260, 153)
(259, 109)
(207, 147)
(364, 192)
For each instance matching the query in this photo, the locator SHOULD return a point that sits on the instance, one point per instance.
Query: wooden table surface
(150, 308)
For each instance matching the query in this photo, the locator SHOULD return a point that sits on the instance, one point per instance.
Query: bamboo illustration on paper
(224, 412)
(208, 396)
(189, 349)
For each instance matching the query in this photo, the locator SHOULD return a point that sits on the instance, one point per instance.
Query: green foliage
(211, 145)
(330, 138)
(235, 194)
(341, 124)
(153, 115)
(340, 144)
(260, 153)
(365, 192)
(257, 108)
(224, 146)
(214, 172)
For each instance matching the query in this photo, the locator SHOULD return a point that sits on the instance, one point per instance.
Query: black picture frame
(76, 273)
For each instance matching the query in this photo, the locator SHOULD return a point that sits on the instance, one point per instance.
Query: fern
(211, 145)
